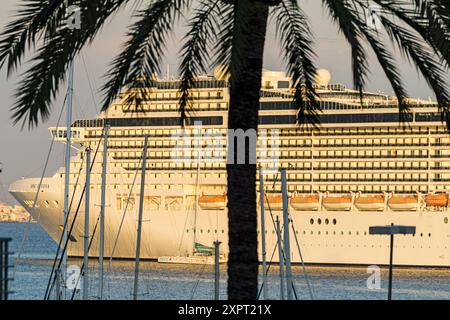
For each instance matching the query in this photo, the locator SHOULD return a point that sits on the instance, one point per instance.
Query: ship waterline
(360, 168)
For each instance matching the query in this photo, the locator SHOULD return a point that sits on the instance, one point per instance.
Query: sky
(23, 151)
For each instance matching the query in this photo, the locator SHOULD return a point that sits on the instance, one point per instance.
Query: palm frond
(429, 18)
(295, 35)
(41, 81)
(432, 70)
(33, 18)
(139, 60)
(223, 45)
(387, 62)
(195, 51)
(342, 12)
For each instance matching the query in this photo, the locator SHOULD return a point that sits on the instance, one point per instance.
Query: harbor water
(184, 282)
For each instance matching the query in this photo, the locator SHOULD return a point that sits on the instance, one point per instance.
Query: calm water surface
(161, 281)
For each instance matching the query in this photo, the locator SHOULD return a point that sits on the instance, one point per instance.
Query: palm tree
(230, 33)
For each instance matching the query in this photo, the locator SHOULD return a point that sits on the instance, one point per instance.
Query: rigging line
(124, 213)
(75, 217)
(36, 197)
(310, 288)
(270, 264)
(76, 212)
(89, 247)
(311, 293)
(47, 293)
(61, 238)
(198, 281)
(123, 216)
(89, 80)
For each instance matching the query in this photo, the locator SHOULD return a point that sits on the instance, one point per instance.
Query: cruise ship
(360, 167)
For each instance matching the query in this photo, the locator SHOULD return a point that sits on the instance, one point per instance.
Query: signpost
(391, 230)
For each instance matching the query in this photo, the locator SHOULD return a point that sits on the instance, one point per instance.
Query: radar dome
(323, 77)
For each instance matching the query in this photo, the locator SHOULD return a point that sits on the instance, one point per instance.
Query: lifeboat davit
(404, 202)
(273, 202)
(306, 202)
(338, 203)
(370, 203)
(212, 202)
(437, 200)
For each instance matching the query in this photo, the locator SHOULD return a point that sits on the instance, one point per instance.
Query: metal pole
(6, 269)
(2, 272)
(287, 247)
(217, 270)
(390, 267)
(281, 259)
(102, 213)
(86, 225)
(67, 174)
(139, 229)
(263, 231)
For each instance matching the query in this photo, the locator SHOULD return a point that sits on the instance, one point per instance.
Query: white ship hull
(325, 237)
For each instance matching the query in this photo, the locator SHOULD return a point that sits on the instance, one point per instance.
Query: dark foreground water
(162, 281)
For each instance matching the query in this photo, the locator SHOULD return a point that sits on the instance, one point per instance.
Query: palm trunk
(246, 68)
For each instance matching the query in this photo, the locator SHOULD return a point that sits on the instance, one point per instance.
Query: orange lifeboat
(212, 202)
(436, 200)
(370, 203)
(306, 202)
(273, 202)
(404, 202)
(338, 203)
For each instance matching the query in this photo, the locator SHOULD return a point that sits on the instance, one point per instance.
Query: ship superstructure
(361, 167)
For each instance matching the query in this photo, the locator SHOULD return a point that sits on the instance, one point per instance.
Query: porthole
(429, 235)
(421, 234)
(319, 221)
(334, 221)
(445, 220)
(311, 221)
(327, 221)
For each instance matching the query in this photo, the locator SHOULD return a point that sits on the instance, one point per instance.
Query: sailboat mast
(86, 226)
(197, 181)
(67, 175)
(139, 229)
(102, 212)
(263, 231)
(287, 247)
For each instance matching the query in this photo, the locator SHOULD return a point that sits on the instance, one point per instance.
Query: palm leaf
(296, 39)
(195, 52)
(41, 81)
(433, 71)
(139, 60)
(346, 17)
